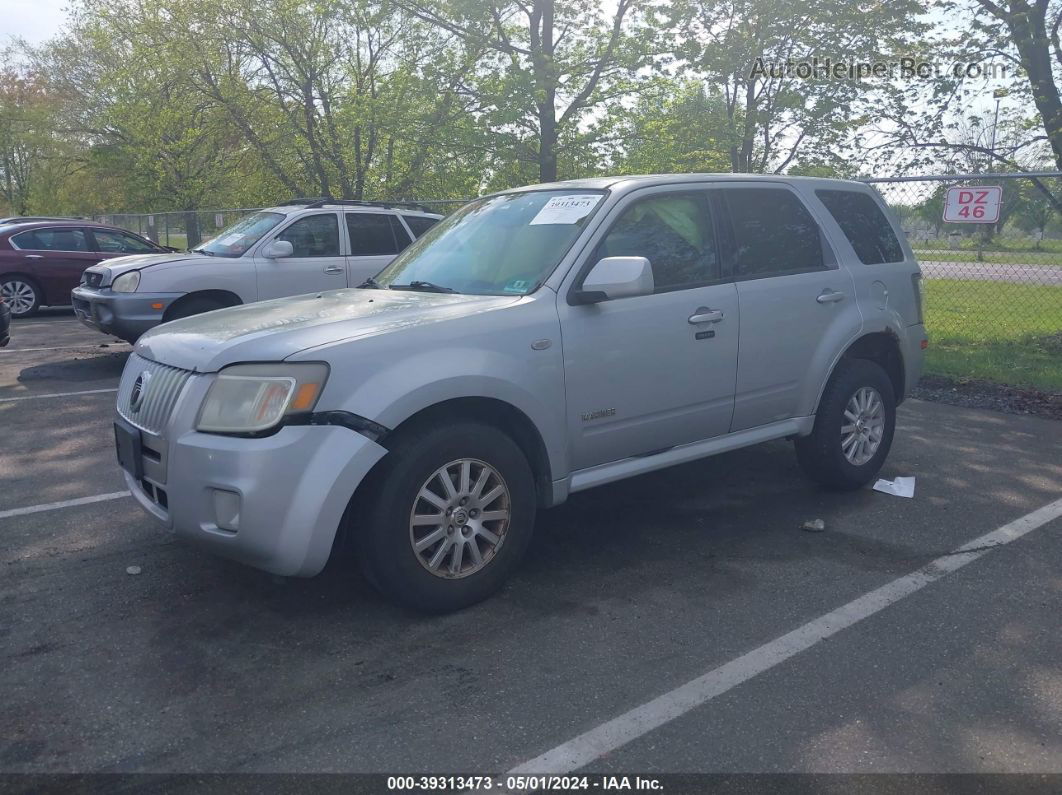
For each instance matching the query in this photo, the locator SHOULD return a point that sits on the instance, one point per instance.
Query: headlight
(247, 398)
(127, 282)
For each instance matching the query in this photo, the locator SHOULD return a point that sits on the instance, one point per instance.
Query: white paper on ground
(566, 209)
(901, 487)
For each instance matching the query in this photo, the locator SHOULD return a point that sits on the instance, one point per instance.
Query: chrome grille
(149, 391)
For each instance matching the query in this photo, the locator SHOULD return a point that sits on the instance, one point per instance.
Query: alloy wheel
(864, 426)
(459, 518)
(20, 296)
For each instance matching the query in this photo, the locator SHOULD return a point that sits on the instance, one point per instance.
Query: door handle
(34, 256)
(706, 315)
(333, 269)
(829, 296)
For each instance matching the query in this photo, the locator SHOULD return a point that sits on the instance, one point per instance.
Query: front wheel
(451, 518)
(853, 427)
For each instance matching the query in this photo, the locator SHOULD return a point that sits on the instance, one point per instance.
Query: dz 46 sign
(978, 204)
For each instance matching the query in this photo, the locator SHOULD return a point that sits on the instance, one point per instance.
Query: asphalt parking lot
(630, 592)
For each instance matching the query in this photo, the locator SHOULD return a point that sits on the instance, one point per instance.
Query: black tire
(193, 306)
(17, 304)
(820, 454)
(382, 533)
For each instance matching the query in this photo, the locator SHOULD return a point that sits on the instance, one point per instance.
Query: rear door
(375, 239)
(797, 304)
(885, 275)
(316, 263)
(56, 257)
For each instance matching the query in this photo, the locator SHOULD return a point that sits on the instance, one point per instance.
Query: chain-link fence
(992, 289)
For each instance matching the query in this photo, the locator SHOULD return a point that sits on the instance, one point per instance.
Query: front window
(501, 245)
(236, 239)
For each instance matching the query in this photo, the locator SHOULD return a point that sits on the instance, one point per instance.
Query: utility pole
(998, 94)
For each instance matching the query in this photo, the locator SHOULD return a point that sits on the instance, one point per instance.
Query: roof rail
(324, 201)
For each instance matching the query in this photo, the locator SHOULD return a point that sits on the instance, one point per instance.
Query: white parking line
(58, 394)
(51, 506)
(67, 348)
(631, 725)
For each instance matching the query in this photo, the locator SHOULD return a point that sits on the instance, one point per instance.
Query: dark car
(5, 323)
(41, 260)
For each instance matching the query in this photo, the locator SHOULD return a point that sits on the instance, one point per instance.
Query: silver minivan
(535, 343)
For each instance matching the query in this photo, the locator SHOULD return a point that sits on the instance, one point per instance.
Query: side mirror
(275, 249)
(615, 277)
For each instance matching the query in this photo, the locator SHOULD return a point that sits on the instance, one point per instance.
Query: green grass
(1006, 333)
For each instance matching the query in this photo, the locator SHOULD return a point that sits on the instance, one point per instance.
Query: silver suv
(301, 246)
(535, 343)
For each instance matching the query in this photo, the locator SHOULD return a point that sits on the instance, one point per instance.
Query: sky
(33, 20)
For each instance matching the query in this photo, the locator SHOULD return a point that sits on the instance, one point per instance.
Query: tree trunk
(191, 229)
(547, 144)
(1029, 33)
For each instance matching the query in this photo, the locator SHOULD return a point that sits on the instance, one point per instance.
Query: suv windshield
(500, 245)
(236, 239)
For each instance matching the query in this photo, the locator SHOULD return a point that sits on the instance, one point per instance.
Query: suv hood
(135, 262)
(271, 331)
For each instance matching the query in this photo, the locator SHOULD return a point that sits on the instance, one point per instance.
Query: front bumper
(125, 315)
(274, 502)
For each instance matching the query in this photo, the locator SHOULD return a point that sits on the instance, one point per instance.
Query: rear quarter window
(419, 224)
(864, 224)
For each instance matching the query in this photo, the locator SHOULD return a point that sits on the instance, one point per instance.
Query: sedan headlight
(127, 282)
(248, 398)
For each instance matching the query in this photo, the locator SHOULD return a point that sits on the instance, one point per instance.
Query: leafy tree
(754, 51)
(553, 63)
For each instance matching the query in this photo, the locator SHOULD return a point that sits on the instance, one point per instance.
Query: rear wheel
(853, 427)
(21, 294)
(450, 519)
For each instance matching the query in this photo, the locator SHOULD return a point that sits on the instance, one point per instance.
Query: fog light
(226, 510)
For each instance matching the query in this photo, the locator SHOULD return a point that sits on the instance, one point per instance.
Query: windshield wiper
(424, 287)
(369, 284)
(202, 251)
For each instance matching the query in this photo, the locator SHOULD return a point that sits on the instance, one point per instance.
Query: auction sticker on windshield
(566, 209)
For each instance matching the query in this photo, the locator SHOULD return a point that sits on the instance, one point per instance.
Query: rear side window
(371, 234)
(419, 224)
(864, 224)
(401, 235)
(52, 240)
(774, 234)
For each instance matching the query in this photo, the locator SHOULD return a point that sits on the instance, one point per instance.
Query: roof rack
(323, 201)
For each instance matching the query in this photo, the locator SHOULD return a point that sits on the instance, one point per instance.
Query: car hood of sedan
(271, 331)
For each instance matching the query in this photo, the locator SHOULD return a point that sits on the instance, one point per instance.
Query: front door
(316, 263)
(646, 373)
